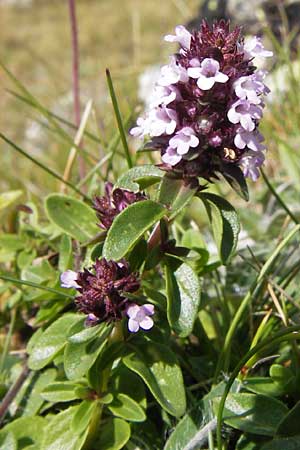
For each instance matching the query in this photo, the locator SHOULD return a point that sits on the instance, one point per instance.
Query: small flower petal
(68, 279)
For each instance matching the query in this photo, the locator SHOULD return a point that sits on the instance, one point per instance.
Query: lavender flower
(112, 203)
(68, 279)
(207, 104)
(139, 317)
(103, 290)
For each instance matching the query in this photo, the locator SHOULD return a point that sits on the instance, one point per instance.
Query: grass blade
(119, 119)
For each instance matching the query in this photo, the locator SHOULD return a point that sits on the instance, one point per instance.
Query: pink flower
(163, 95)
(182, 35)
(207, 73)
(142, 129)
(171, 156)
(139, 317)
(163, 121)
(245, 113)
(172, 73)
(250, 88)
(68, 279)
(183, 140)
(250, 164)
(251, 140)
(254, 47)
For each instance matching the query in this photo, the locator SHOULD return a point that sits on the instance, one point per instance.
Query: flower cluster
(103, 294)
(113, 202)
(207, 104)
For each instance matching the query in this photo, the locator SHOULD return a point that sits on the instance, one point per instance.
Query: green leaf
(79, 358)
(129, 383)
(72, 216)
(8, 198)
(185, 430)
(131, 224)
(61, 391)
(126, 408)
(65, 253)
(289, 426)
(183, 294)
(35, 399)
(288, 443)
(85, 334)
(59, 435)
(139, 178)
(225, 224)
(174, 194)
(39, 273)
(25, 430)
(114, 435)
(264, 386)
(159, 369)
(235, 177)
(83, 416)
(8, 442)
(255, 414)
(50, 342)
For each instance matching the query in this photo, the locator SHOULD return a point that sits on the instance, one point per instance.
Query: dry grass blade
(77, 140)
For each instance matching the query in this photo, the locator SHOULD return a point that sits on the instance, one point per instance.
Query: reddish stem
(75, 73)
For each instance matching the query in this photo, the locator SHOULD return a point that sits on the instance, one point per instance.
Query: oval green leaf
(183, 294)
(139, 178)
(131, 224)
(50, 342)
(175, 194)
(79, 358)
(159, 369)
(225, 224)
(72, 216)
(126, 408)
(114, 435)
(255, 414)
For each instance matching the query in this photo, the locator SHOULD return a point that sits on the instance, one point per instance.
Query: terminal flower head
(208, 103)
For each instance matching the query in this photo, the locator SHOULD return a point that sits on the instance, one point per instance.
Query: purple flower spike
(68, 279)
(112, 203)
(103, 291)
(207, 105)
(139, 317)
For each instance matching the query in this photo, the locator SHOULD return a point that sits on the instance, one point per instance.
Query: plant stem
(11, 394)
(35, 285)
(8, 339)
(75, 74)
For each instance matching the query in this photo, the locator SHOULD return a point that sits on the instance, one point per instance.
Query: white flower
(182, 35)
(163, 95)
(172, 73)
(68, 279)
(143, 127)
(254, 47)
(207, 73)
(139, 317)
(245, 113)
